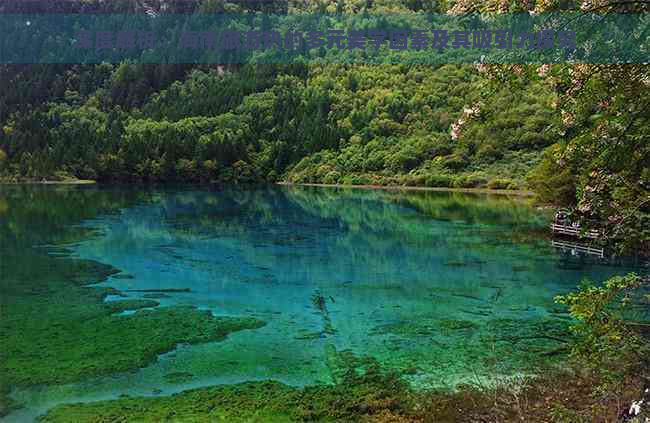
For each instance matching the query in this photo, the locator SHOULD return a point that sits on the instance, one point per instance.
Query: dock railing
(570, 246)
(572, 231)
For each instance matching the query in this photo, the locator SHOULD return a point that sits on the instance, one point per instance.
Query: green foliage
(599, 164)
(552, 179)
(605, 342)
(441, 181)
(562, 414)
(392, 141)
(373, 120)
(608, 150)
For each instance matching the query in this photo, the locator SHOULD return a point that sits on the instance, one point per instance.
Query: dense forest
(575, 134)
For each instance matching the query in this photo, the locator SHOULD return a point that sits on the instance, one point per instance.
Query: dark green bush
(605, 341)
(333, 177)
(488, 153)
(442, 181)
(415, 180)
(356, 180)
(456, 161)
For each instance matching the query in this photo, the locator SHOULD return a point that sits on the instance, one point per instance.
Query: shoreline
(67, 182)
(521, 193)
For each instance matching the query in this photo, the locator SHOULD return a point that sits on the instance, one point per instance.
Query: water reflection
(441, 287)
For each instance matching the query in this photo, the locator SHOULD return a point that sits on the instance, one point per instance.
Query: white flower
(635, 408)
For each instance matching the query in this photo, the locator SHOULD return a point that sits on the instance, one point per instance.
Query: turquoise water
(444, 288)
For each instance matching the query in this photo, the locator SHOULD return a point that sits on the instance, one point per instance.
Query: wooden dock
(575, 232)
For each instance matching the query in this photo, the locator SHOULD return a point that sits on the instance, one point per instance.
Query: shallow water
(442, 287)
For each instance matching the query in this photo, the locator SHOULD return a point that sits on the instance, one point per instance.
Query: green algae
(521, 268)
(426, 327)
(123, 276)
(344, 364)
(155, 296)
(362, 389)
(160, 291)
(516, 330)
(248, 402)
(56, 329)
(309, 335)
(454, 325)
(128, 305)
(177, 377)
(532, 345)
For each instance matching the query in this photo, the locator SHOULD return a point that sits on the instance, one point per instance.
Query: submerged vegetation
(57, 329)
(364, 390)
(585, 391)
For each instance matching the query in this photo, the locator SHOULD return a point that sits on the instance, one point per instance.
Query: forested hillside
(577, 135)
(306, 123)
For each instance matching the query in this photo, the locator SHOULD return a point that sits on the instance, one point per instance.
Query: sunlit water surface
(441, 287)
